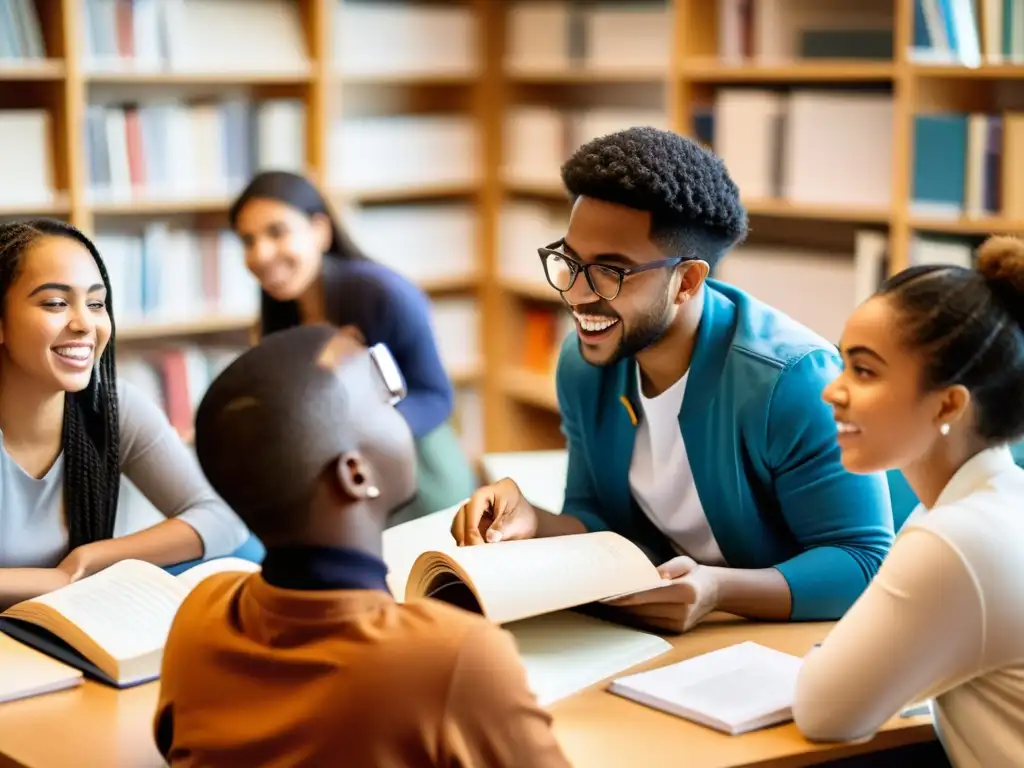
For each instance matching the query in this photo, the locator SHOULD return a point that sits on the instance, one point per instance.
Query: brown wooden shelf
(958, 71)
(530, 387)
(408, 194)
(453, 284)
(142, 77)
(713, 70)
(426, 79)
(161, 206)
(981, 225)
(32, 69)
(597, 76)
(199, 327)
(786, 209)
(536, 290)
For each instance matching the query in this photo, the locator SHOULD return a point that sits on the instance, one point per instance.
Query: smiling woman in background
(311, 271)
(934, 386)
(69, 429)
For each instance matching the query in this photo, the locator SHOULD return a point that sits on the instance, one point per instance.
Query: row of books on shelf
(181, 150)
(795, 30)
(21, 34)
(177, 377)
(969, 164)
(162, 274)
(205, 36)
(369, 38)
(969, 32)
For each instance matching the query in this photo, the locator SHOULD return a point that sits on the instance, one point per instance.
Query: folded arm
(917, 629)
(842, 521)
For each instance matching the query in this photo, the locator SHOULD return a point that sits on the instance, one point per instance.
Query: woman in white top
(69, 428)
(934, 386)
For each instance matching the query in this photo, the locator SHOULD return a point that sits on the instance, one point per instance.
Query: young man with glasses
(736, 489)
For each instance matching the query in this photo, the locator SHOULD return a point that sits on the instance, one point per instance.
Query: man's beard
(645, 331)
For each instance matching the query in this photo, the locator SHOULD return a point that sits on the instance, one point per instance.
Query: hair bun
(1001, 262)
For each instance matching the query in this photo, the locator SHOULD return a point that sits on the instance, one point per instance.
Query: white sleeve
(915, 632)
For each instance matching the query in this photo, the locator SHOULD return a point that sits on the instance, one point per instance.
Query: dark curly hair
(90, 438)
(694, 205)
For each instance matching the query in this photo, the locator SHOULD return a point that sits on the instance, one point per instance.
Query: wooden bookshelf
(519, 407)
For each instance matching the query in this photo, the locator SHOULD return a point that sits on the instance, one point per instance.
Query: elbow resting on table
(822, 711)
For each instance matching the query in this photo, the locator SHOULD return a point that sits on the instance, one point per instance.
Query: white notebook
(737, 689)
(25, 672)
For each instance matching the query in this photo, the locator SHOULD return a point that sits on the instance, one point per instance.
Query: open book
(514, 580)
(112, 625)
(737, 689)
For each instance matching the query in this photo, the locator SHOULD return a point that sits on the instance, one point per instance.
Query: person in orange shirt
(312, 662)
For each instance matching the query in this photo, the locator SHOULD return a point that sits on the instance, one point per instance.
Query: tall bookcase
(518, 405)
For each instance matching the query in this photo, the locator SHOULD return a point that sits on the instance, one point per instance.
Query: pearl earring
(944, 429)
(372, 492)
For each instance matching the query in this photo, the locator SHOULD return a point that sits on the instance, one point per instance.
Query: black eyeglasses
(603, 279)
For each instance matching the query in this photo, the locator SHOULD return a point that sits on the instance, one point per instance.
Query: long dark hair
(300, 193)
(90, 438)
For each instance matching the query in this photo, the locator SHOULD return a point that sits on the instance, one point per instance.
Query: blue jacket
(761, 445)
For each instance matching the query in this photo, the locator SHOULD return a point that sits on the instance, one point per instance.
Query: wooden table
(98, 726)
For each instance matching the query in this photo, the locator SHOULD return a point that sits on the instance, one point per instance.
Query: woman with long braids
(311, 272)
(69, 429)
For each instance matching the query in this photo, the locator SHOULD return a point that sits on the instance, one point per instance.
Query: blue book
(940, 164)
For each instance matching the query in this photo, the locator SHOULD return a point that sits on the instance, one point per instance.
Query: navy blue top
(390, 309)
(309, 567)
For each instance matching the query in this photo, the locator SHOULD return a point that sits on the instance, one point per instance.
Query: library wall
(865, 136)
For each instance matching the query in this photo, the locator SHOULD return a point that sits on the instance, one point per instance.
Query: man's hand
(677, 607)
(494, 513)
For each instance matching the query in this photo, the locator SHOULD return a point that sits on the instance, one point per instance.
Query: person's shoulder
(370, 278)
(208, 601)
(766, 337)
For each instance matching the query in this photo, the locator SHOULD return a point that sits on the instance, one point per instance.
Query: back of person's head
(54, 290)
(968, 324)
(287, 227)
(301, 429)
(694, 204)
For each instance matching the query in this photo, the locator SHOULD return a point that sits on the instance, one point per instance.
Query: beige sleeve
(156, 460)
(916, 631)
(492, 718)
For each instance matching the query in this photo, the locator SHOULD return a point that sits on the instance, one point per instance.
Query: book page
(126, 609)
(565, 652)
(404, 543)
(26, 672)
(519, 579)
(197, 573)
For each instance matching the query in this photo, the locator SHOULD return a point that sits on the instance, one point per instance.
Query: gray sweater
(33, 530)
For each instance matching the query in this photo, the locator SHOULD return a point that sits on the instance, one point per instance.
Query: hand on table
(494, 513)
(676, 607)
(78, 563)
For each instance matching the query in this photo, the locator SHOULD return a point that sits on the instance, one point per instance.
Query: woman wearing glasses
(692, 411)
(311, 271)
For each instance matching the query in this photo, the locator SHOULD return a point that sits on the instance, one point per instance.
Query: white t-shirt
(661, 479)
(943, 619)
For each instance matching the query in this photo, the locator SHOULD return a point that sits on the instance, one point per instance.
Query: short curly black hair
(694, 204)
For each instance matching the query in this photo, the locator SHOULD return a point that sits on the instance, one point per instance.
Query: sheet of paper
(566, 652)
